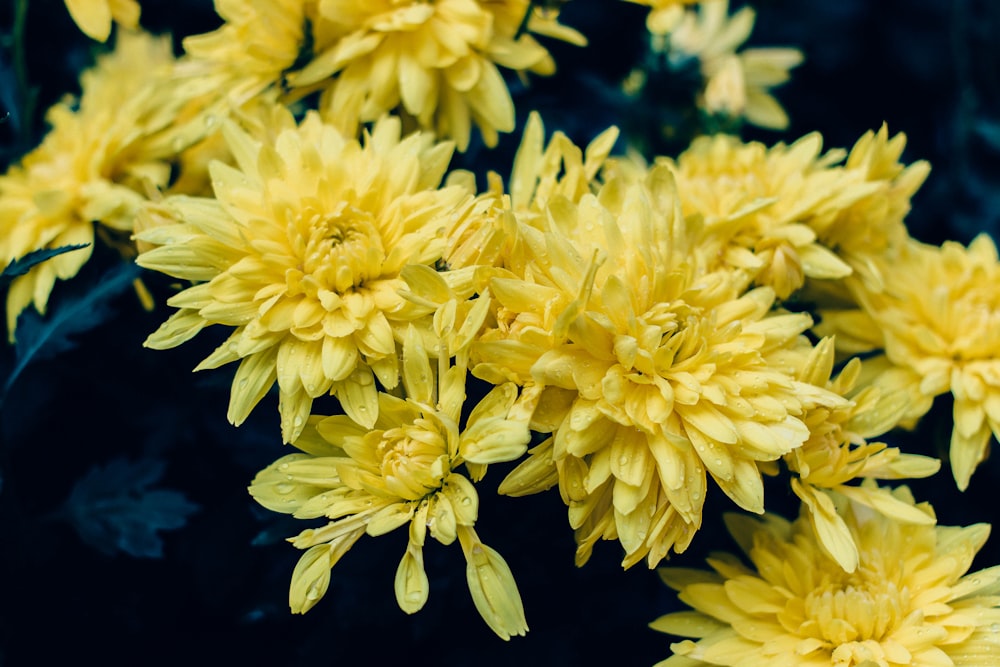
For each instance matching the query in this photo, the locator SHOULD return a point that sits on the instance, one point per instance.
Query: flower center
(340, 249)
(861, 612)
(416, 456)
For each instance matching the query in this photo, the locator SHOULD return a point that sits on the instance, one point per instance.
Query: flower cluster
(90, 176)
(640, 333)
(909, 602)
(434, 63)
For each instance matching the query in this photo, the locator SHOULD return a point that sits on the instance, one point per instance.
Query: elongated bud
(492, 585)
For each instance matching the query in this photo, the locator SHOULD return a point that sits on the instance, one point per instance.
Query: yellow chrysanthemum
(909, 602)
(736, 84)
(540, 173)
(656, 373)
(259, 41)
(664, 15)
(101, 157)
(759, 205)
(403, 470)
(938, 320)
(301, 251)
(871, 228)
(94, 17)
(838, 452)
(434, 60)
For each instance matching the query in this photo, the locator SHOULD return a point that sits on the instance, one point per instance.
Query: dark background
(219, 592)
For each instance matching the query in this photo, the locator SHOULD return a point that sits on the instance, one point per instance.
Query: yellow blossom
(759, 205)
(301, 251)
(434, 61)
(736, 84)
(909, 602)
(258, 42)
(94, 17)
(654, 373)
(403, 470)
(937, 318)
(872, 227)
(664, 15)
(541, 172)
(838, 452)
(97, 163)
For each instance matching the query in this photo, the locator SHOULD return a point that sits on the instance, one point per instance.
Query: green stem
(26, 93)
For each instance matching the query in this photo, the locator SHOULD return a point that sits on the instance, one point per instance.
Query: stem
(25, 92)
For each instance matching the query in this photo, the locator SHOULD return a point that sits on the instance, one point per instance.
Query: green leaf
(113, 510)
(21, 266)
(41, 338)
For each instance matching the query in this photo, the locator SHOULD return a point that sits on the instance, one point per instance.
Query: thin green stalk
(25, 92)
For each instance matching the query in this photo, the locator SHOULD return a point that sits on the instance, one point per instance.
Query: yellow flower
(664, 15)
(938, 317)
(909, 602)
(736, 84)
(96, 164)
(94, 17)
(656, 373)
(872, 227)
(435, 61)
(403, 470)
(259, 41)
(540, 173)
(838, 452)
(301, 251)
(759, 205)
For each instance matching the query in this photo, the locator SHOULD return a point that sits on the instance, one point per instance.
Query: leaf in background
(113, 510)
(41, 338)
(20, 266)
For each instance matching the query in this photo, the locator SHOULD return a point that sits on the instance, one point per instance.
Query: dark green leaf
(21, 266)
(41, 338)
(113, 510)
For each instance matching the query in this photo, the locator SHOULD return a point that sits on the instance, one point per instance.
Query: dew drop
(284, 488)
(297, 422)
(211, 121)
(413, 596)
(623, 460)
(283, 466)
(718, 462)
(313, 592)
(466, 501)
(995, 628)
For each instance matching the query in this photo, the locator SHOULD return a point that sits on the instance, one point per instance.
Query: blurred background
(193, 571)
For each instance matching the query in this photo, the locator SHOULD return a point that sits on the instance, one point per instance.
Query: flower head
(937, 317)
(101, 156)
(737, 85)
(404, 470)
(301, 251)
(758, 204)
(258, 42)
(654, 372)
(839, 452)
(437, 62)
(664, 15)
(94, 17)
(909, 602)
(870, 230)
